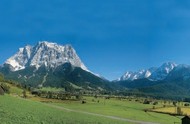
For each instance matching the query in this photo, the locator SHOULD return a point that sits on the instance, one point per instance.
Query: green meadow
(20, 111)
(120, 108)
(35, 110)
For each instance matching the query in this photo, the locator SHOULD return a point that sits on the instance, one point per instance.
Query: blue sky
(110, 36)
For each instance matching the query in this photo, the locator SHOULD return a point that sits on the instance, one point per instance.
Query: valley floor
(16, 110)
(101, 115)
(20, 111)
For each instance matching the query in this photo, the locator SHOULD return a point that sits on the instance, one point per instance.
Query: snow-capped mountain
(151, 73)
(135, 75)
(51, 65)
(45, 53)
(181, 72)
(169, 78)
(163, 71)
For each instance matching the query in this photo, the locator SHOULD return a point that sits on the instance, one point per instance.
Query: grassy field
(172, 110)
(15, 90)
(52, 89)
(14, 109)
(120, 108)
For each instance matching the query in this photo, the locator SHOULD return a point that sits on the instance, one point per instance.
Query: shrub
(5, 88)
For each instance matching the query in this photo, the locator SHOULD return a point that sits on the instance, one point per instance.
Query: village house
(186, 120)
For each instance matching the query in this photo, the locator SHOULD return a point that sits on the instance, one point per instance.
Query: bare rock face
(50, 55)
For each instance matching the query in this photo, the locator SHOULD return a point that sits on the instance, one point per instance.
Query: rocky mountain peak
(44, 53)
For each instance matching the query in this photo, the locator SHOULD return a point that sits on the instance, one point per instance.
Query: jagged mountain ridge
(153, 73)
(44, 53)
(136, 75)
(179, 73)
(162, 72)
(174, 86)
(50, 64)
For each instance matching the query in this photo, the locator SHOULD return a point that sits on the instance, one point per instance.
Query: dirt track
(100, 115)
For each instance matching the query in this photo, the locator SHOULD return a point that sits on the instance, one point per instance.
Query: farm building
(1, 90)
(186, 120)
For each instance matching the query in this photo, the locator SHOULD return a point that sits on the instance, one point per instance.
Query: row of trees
(57, 95)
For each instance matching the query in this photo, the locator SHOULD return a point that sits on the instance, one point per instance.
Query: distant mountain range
(51, 65)
(169, 80)
(153, 73)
